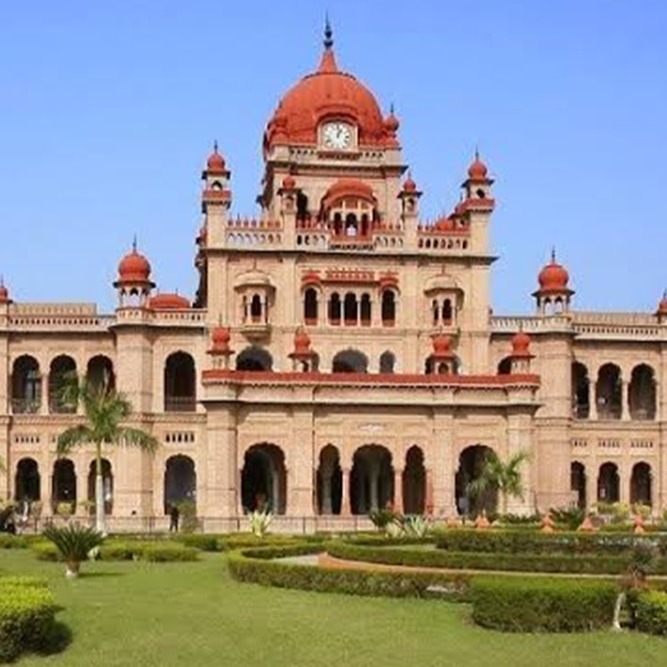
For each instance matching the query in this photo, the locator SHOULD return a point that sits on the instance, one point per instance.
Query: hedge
(112, 550)
(542, 605)
(533, 542)
(248, 566)
(27, 617)
(13, 542)
(650, 612)
(551, 563)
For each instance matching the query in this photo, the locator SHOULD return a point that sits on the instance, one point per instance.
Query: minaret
(216, 199)
(409, 197)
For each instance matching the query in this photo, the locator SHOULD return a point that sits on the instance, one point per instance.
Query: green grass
(192, 614)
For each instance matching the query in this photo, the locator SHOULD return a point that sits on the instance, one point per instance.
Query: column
(625, 400)
(327, 505)
(398, 490)
(373, 478)
(44, 394)
(429, 503)
(345, 508)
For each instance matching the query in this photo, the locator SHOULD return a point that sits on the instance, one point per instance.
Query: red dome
(215, 162)
(441, 346)
(328, 92)
(553, 277)
(391, 123)
(477, 171)
(220, 337)
(289, 182)
(348, 187)
(409, 185)
(168, 301)
(134, 268)
(521, 345)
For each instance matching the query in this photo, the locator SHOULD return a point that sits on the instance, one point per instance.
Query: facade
(340, 353)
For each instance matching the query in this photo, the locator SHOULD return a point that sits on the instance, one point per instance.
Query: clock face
(337, 135)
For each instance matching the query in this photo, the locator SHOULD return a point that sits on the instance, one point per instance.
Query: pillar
(326, 474)
(398, 490)
(345, 508)
(625, 400)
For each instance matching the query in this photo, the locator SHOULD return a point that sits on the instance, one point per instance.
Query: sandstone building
(340, 352)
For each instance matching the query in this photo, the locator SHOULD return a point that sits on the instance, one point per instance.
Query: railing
(581, 411)
(30, 406)
(611, 412)
(180, 404)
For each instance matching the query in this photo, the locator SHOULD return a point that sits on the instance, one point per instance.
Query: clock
(337, 136)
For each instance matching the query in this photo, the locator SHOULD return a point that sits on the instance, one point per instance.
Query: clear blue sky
(108, 111)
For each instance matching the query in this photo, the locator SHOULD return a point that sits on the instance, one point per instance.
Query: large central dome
(329, 93)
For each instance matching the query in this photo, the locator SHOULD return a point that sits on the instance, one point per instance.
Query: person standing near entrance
(174, 516)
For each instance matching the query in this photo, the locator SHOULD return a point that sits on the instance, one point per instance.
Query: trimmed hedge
(249, 566)
(27, 617)
(533, 542)
(650, 612)
(551, 563)
(542, 605)
(112, 550)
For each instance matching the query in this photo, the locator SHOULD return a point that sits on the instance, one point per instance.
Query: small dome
(391, 123)
(409, 185)
(553, 277)
(301, 342)
(521, 345)
(215, 162)
(348, 187)
(289, 182)
(134, 267)
(220, 337)
(442, 346)
(477, 171)
(168, 301)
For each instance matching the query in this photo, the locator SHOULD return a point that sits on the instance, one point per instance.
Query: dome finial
(134, 243)
(328, 33)
(215, 146)
(553, 254)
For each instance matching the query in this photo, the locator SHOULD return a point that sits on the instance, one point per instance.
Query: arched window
(334, 309)
(351, 226)
(387, 362)
(505, 366)
(642, 394)
(100, 373)
(350, 309)
(580, 391)
(107, 486)
(608, 392)
(27, 485)
(180, 482)
(350, 361)
(365, 310)
(26, 385)
(63, 484)
(180, 383)
(254, 359)
(264, 479)
(388, 308)
(256, 308)
(371, 479)
(310, 306)
(608, 483)
(63, 368)
(447, 314)
(640, 484)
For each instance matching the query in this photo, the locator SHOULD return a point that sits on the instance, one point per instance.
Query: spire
(553, 254)
(476, 153)
(328, 33)
(215, 146)
(134, 244)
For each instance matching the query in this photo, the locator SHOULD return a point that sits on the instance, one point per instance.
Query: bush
(74, 543)
(650, 612)
(13, 542)
(168, 553)
(201, 542)
(542, 605)
(242, 540)
(27, 617)
(45, 551)
(247, 567)
(553, 563)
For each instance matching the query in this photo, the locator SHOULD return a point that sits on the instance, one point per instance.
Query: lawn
(139, 614)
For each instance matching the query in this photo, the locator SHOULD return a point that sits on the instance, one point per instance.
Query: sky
(109, 110)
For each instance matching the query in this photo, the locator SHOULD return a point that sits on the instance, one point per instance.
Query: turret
(216, 199)
(133, 284)
(553, 296)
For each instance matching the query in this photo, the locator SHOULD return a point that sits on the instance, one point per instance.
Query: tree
(104, 410)
(503, 477)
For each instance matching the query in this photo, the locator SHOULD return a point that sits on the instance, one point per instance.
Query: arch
(471, 463)
(388, 308)
(608, 392)
(264, 479)
(578, 483)
(100, 373)
(62, 368)
(642, 393)
(609, 483)
(350, 308)
(505, 366)
(63, 483)
(387, 362)
(414, 482)
(351, 225)
(310, 306)
(107, 485)
(365, 309)
(254, 358)
(27, 484)
(256, 308)
(180, 383)
(334, 308)
(447, 312)
(580, 384)
(640, 484)
(371, 479)
(26, 385)
(350, 361)
(435, 310)
(329, 481)
(180, 481)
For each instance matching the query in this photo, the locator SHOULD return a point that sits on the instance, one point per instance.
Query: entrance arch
(329, 481)
(107, 485)
(414, 482)
(180, 481)
(27, 484)
(63, 483)
(471, 463)
(640, 484)
(608, 483)
(371, 480)
(578, 483)
(264, 479)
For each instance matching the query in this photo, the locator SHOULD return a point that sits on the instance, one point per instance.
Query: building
(340, 352)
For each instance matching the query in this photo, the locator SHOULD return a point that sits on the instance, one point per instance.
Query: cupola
(553, 295)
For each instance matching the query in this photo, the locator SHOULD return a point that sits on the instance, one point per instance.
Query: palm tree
(104, 409)
(503, 477)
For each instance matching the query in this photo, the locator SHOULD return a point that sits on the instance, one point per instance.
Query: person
(174, 516)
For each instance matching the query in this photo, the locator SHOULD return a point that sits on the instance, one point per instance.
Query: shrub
(542, 605)
(27, 617)
(74, 543)
(260, 522)
(266, 572)
(201, 542)
(13, 542)
(168, 553)
(188, 516)
(650, 612)
(45, 551)
(382, 518)
(570, 517)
